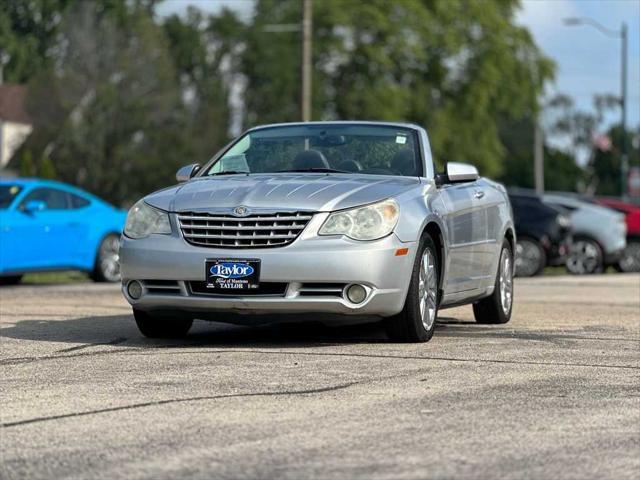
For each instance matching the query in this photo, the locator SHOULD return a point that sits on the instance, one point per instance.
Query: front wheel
(107, 266)
(156, 326)
(417, 320)
(497, 307)
(585, 257)
(530, 258)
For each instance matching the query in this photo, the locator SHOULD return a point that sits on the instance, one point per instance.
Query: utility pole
(622, 34)
(538, 158)
(4, 59)
(307, 28)
(624, 155)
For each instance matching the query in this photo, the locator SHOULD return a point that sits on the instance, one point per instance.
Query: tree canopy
(454, 66)
(121, 96)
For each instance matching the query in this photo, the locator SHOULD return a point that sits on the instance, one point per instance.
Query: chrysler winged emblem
(241, 211)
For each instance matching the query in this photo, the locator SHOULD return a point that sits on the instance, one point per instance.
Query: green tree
(27, 32)
(604, 166)
(109, 117)
(454, 66)
(204, 53)
(561, 172)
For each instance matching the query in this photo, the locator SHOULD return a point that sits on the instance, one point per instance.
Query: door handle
(479, 194)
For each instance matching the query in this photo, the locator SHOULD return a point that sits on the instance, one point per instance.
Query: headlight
(143, 220)
(363, 223)
(564, 221)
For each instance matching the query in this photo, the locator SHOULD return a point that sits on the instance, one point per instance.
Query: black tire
(162, 326)
(10, 280)
(585, 257)
(530, 257)
(107, 267)
(491, 310)
(408, 326)
(630, 261)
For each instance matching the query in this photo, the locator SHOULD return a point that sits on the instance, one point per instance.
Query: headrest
(310, 159)
(404, 162)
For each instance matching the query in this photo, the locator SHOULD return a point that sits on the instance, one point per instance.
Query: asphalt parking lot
(553, 394)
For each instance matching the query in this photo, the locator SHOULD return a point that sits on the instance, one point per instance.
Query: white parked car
(341, 220)
(599, 234)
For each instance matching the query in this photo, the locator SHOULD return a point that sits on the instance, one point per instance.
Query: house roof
(12, 103)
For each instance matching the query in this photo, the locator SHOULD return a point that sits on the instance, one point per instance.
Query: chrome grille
(227, 231)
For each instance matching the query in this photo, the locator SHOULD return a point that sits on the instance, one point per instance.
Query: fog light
(134, 289)
(356, 293)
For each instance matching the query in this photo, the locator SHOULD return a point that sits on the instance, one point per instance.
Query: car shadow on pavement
(121, 330)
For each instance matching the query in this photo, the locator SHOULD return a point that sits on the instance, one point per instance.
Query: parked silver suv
(599, 234)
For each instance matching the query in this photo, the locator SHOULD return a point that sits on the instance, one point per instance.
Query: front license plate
(225, 274)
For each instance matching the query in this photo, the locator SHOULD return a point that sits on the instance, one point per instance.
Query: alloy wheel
(428, 289)
(584, 257)
(528, 258)
(630, 261)
(506, 282)
(109, 259)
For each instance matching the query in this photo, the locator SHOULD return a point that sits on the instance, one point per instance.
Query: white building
(15, 125)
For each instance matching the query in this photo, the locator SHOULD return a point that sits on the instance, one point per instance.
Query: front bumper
(308, 260)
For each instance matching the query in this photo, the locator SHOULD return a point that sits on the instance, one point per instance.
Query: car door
(490, 203)
(466, 225)
(44, 237)
(81, 217)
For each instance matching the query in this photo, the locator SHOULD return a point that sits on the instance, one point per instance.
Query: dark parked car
(543, 233)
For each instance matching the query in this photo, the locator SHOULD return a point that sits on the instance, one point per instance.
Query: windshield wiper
(227, 172)
(314, 169)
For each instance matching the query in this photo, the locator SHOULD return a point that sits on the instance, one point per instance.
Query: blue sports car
(47, 225)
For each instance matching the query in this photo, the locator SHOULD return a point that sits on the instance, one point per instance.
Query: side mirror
(185, 173)
(457, 173)
(33, 206)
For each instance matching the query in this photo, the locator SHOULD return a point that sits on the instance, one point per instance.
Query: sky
(588, 62)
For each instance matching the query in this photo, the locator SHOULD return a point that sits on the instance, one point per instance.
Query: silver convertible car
(331, 221)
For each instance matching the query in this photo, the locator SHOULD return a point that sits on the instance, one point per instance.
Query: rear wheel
(630, 261)
(107, 267)
(497, 308)
(530, 258)
(585, 257)
(417, 320)
(10, 280)
(157, 326)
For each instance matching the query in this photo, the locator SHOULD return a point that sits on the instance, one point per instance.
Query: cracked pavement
(554, 393)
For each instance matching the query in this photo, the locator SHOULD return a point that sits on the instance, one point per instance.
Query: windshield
(7, 194)
(371, 149)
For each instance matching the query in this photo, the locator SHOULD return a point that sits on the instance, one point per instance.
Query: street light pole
(538, 157)
(624, 157)
(623, 36)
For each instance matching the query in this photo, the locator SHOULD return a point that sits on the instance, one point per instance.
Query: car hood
(308, 191)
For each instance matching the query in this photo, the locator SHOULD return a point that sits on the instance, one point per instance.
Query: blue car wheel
(107, 266)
